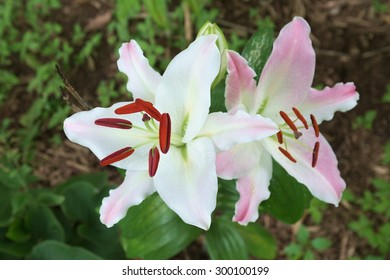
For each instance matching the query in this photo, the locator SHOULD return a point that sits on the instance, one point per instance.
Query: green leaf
(126, 9)
(6, 196)
(17, 232)
(293, 251)
(224, 241)
(321, 243)
(386, 96)
(43, 224)
(288, 199)
(365, 121)
(153, 231)
(158, 11)
(303, 235)
(101, 240)
(54, 250)
(259, 48)
(309, 255)
(260, 243)
(227, 197)
(386, 155)
(98, 180)
(80, 203)
(218, 99)
(49, 198)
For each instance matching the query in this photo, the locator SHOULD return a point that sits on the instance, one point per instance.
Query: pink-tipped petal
(324, 103)
(238, 161)
(288, 74)
(323, 180)
(253, 189)
(240, 92)
(184, 91)
(135, 188)
(187, 182)
(81, 128)
(143, 79)
(228, 130)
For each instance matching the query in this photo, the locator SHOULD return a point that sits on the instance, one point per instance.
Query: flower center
(149, 115)
(297, 134)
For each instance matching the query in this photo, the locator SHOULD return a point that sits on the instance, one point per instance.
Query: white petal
(143, 79)
(80, 128)
(134, 189)
(184, 91)
(238, 161)
(187, 181)
(227, 130)
(253, 189)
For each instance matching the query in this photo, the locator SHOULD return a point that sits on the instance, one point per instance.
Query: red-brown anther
(145, 118)
(165, 133)
(315, 154)
(128, 109)
(288, 121)
(115, 123)
(154, 158)
(287, 154)
(315, 125)
(148, 108)
(280, 137)
(300, 117)
(117, 156)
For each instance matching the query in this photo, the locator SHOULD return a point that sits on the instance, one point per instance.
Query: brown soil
(352, 44)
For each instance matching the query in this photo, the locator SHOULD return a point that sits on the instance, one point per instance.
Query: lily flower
(165, 138)
(284, 95)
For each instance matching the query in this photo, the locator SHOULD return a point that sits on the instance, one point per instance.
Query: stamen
(315, 125)
(145, 118)
(287, 154)
(315, 154)
(148, 108)
(165, 133)
(300, 117)
(280, 137)
(117, 156)
(128, 109)
(288, 121)
(115, 123)
(154, 158)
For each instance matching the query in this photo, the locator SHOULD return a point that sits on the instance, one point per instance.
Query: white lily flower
(170, 115)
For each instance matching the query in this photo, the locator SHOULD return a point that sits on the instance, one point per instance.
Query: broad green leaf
(260, 243)
(43, 224)
(80, 203)
(152, 231)
(227, 197)
(97, 179)
(17, 232)
(293, 251)
(224, 241)
(258, 49)
(6, 196)
(218, 99)
(321, 243)
(309, 255)
(288, 199)
(49, 198)
(12, 250)
(158, 11)
(54, 250)
(101, 240)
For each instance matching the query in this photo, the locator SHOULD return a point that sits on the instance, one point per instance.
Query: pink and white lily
(284, 94)
(166, 138)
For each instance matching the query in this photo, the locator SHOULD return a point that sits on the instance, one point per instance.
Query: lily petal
(227, 130)
(238, 161)
(324, 103)
(80, 128)
(135, 188)
(187, 181)
(184, 91)
(143, 79)
(288, 73)
(253, 189)
(240, 92)
(323, 180)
